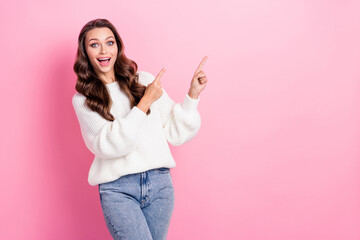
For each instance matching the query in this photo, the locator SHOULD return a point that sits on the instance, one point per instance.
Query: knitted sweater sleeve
(108, 139)
(181, 121)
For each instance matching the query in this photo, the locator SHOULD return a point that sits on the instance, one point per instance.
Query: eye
(111, 42)
(92, 45)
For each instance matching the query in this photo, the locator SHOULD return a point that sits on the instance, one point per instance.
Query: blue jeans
(138, 206)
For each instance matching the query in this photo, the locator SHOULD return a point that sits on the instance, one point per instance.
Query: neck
(108, 77)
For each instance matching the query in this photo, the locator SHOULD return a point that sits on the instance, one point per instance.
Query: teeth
(103, 59)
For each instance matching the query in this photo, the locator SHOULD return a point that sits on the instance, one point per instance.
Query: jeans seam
(107, 220)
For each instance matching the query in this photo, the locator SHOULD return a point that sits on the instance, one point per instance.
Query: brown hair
(88, 83)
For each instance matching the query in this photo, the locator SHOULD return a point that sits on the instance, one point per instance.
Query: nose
(103, 49)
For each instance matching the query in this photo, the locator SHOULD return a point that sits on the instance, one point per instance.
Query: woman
(126, 119)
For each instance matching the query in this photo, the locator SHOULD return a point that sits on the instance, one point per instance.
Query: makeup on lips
(104, 61)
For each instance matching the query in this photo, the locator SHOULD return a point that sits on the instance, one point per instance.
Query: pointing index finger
(201, 64)
(160, 74)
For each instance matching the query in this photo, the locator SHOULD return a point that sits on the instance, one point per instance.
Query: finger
(202, 79)
(159, 75)
(201, 64)
(200, 74)
(203, 82)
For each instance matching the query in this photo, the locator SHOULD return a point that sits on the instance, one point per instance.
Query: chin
(105, 70)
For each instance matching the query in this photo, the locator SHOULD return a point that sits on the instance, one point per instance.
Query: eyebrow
(98, 39)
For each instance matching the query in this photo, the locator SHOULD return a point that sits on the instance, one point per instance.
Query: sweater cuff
(190, 104)
(136, 115)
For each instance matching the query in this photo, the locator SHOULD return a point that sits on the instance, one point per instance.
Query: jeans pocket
(163, 170)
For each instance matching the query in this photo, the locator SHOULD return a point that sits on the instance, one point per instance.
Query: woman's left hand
(198, 81)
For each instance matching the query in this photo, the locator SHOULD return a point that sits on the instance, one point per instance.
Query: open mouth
(103, 61)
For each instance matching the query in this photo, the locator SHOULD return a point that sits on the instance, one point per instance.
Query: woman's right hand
(154, 90)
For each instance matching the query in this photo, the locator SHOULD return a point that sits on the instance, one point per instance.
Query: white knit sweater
(135, 142)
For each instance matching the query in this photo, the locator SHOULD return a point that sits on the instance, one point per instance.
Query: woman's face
(100, 44)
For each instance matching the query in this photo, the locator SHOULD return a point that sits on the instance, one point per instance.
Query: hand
(198, 81)
(154, 90)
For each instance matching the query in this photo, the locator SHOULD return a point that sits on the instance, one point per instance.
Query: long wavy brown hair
(88, 83)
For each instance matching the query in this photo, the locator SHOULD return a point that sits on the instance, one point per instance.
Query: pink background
(277, 155)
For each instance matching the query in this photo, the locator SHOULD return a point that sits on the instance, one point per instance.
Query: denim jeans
(138, 206)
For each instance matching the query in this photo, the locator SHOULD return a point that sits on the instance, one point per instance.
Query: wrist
(144, 104)
(193, 95)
